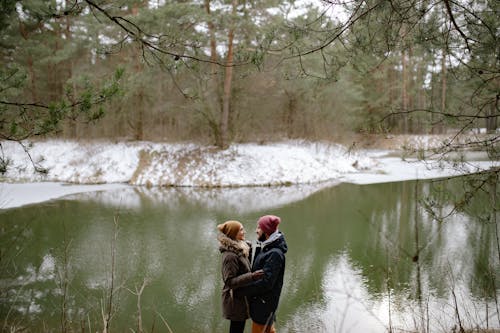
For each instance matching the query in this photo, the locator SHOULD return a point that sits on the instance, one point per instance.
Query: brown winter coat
(235, 273)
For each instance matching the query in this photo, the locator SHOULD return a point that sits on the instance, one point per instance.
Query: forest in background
(221, 71)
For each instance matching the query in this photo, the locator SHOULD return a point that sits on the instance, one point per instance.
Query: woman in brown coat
(235, 273)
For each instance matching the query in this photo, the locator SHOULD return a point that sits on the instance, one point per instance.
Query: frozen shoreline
(78, 168)
(20, 194)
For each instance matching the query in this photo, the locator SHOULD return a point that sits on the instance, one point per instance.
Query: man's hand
(259, 274)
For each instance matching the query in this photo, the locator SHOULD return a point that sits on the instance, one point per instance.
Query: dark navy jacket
(263, 295)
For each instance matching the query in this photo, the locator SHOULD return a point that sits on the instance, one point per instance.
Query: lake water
(362, 258)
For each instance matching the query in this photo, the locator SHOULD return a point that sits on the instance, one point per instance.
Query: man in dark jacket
(268, 255)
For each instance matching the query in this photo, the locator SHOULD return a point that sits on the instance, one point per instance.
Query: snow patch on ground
(154, 164)
(247, 164)
(72, 162)
(243, 168)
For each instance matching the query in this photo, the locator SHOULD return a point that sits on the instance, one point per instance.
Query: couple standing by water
(252, 274)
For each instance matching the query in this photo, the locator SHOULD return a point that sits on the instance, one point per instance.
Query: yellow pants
(258, 328)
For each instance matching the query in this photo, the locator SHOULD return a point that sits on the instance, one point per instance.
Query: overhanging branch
(443, 114)
(452, 18)
(136, 33)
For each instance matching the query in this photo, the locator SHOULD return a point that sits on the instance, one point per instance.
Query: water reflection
(240, 200)
(344, 302)
(361, 259)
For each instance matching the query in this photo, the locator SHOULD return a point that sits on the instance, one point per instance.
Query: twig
(138, 33)
(164, 321)
(452, 18)
(138, 293)
(457, 313)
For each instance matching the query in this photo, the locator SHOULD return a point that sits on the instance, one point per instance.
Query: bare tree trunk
(57, 89)
(432, 102)
(211, 92)
(32, 80)
(410, 84)
(64, 283)
(138, 292)
(290, 113)
(420, 97)
(493, 112)
(213, 44)
(70, 64)
(228, 79)
(107, 316)
(139, 110)
(139, 120)
(493, 200)
(391, 82)
(25, 34)
(443, 88)
(404, 90)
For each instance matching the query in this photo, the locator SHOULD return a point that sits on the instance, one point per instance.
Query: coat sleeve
(272, 268)
(230, 269)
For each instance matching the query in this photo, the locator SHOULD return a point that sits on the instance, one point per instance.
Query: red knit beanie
(269, 223)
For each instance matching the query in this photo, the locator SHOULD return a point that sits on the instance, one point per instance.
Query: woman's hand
(259, 274)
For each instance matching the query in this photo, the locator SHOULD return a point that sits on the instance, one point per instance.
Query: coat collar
(237, 247)
(276, 239)
(274, 236)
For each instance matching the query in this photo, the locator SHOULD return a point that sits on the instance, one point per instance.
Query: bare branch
(444, 114)
(350, 22)
(25, 105)
(138, 34)
(452, 18)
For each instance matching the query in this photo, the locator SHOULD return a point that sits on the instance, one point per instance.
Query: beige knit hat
(230, 228)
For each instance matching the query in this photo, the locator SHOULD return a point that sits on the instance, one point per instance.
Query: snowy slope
(72, 167)
(144, 163)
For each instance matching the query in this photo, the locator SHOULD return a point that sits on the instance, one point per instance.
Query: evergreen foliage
(405, 66)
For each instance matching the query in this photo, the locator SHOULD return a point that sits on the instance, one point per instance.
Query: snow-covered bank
(144, 163)
(392, 169)
(155, 164)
